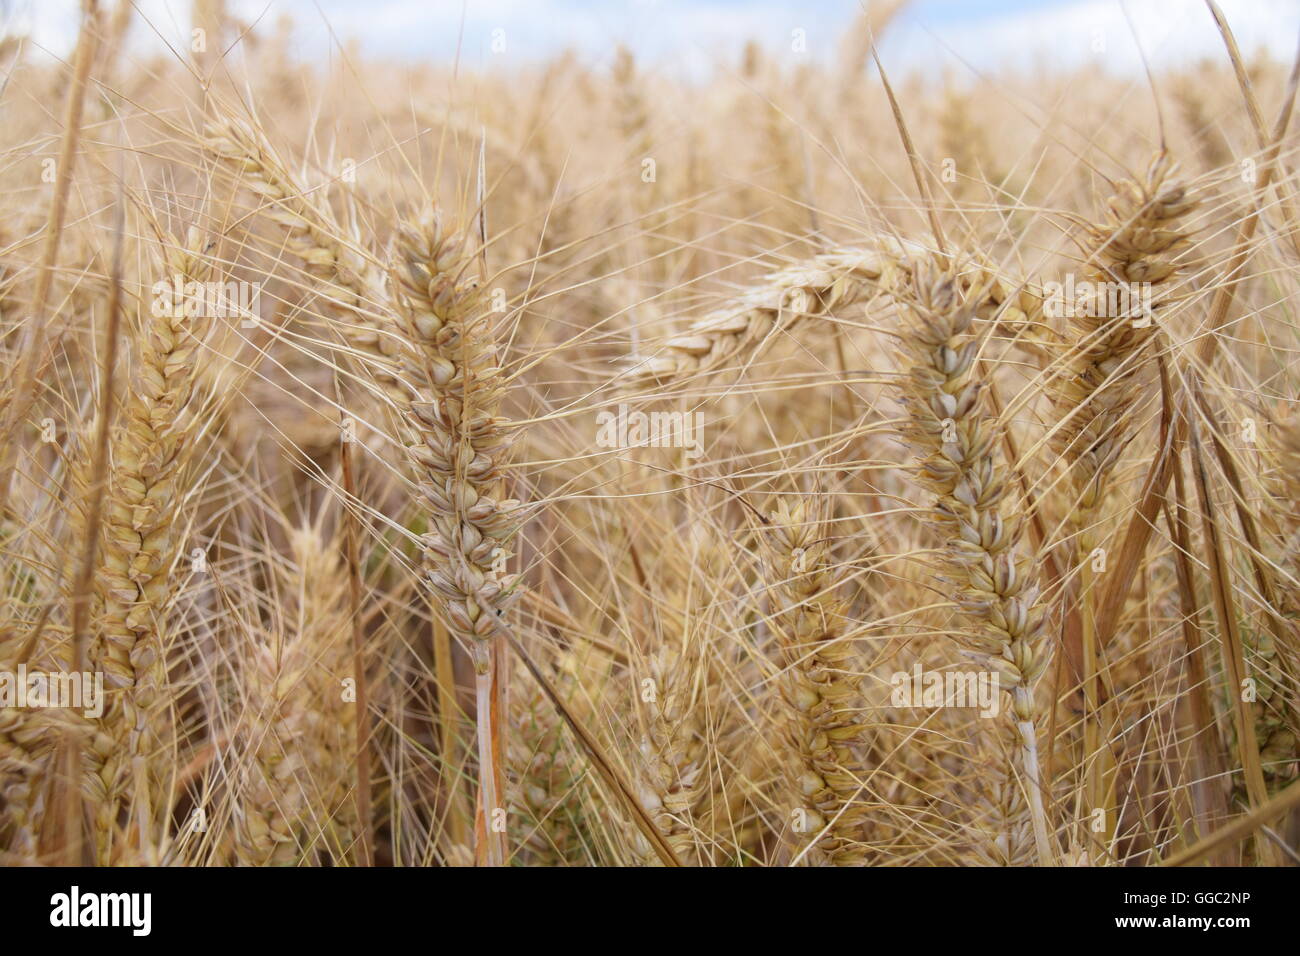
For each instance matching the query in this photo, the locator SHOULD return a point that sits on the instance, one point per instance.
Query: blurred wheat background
(369, 582)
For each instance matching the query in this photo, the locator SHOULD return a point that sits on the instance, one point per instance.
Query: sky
(696, 36)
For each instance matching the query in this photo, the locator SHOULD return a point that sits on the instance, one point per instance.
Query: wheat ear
(956, 443)
(313, 234)
(146, 488)
(812, 289)
(547, 773)
(816, 289)
(1136, 242)
(825, 732)
(30, 738)
(672, 755)
(1276, 659)
(458, 446)
(301, 730)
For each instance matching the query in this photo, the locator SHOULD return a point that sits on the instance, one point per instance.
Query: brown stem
(363, 796)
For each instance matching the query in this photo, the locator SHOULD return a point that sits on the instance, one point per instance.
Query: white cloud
(1064, 35)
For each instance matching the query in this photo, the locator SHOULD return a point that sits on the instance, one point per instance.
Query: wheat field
(819, 463)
